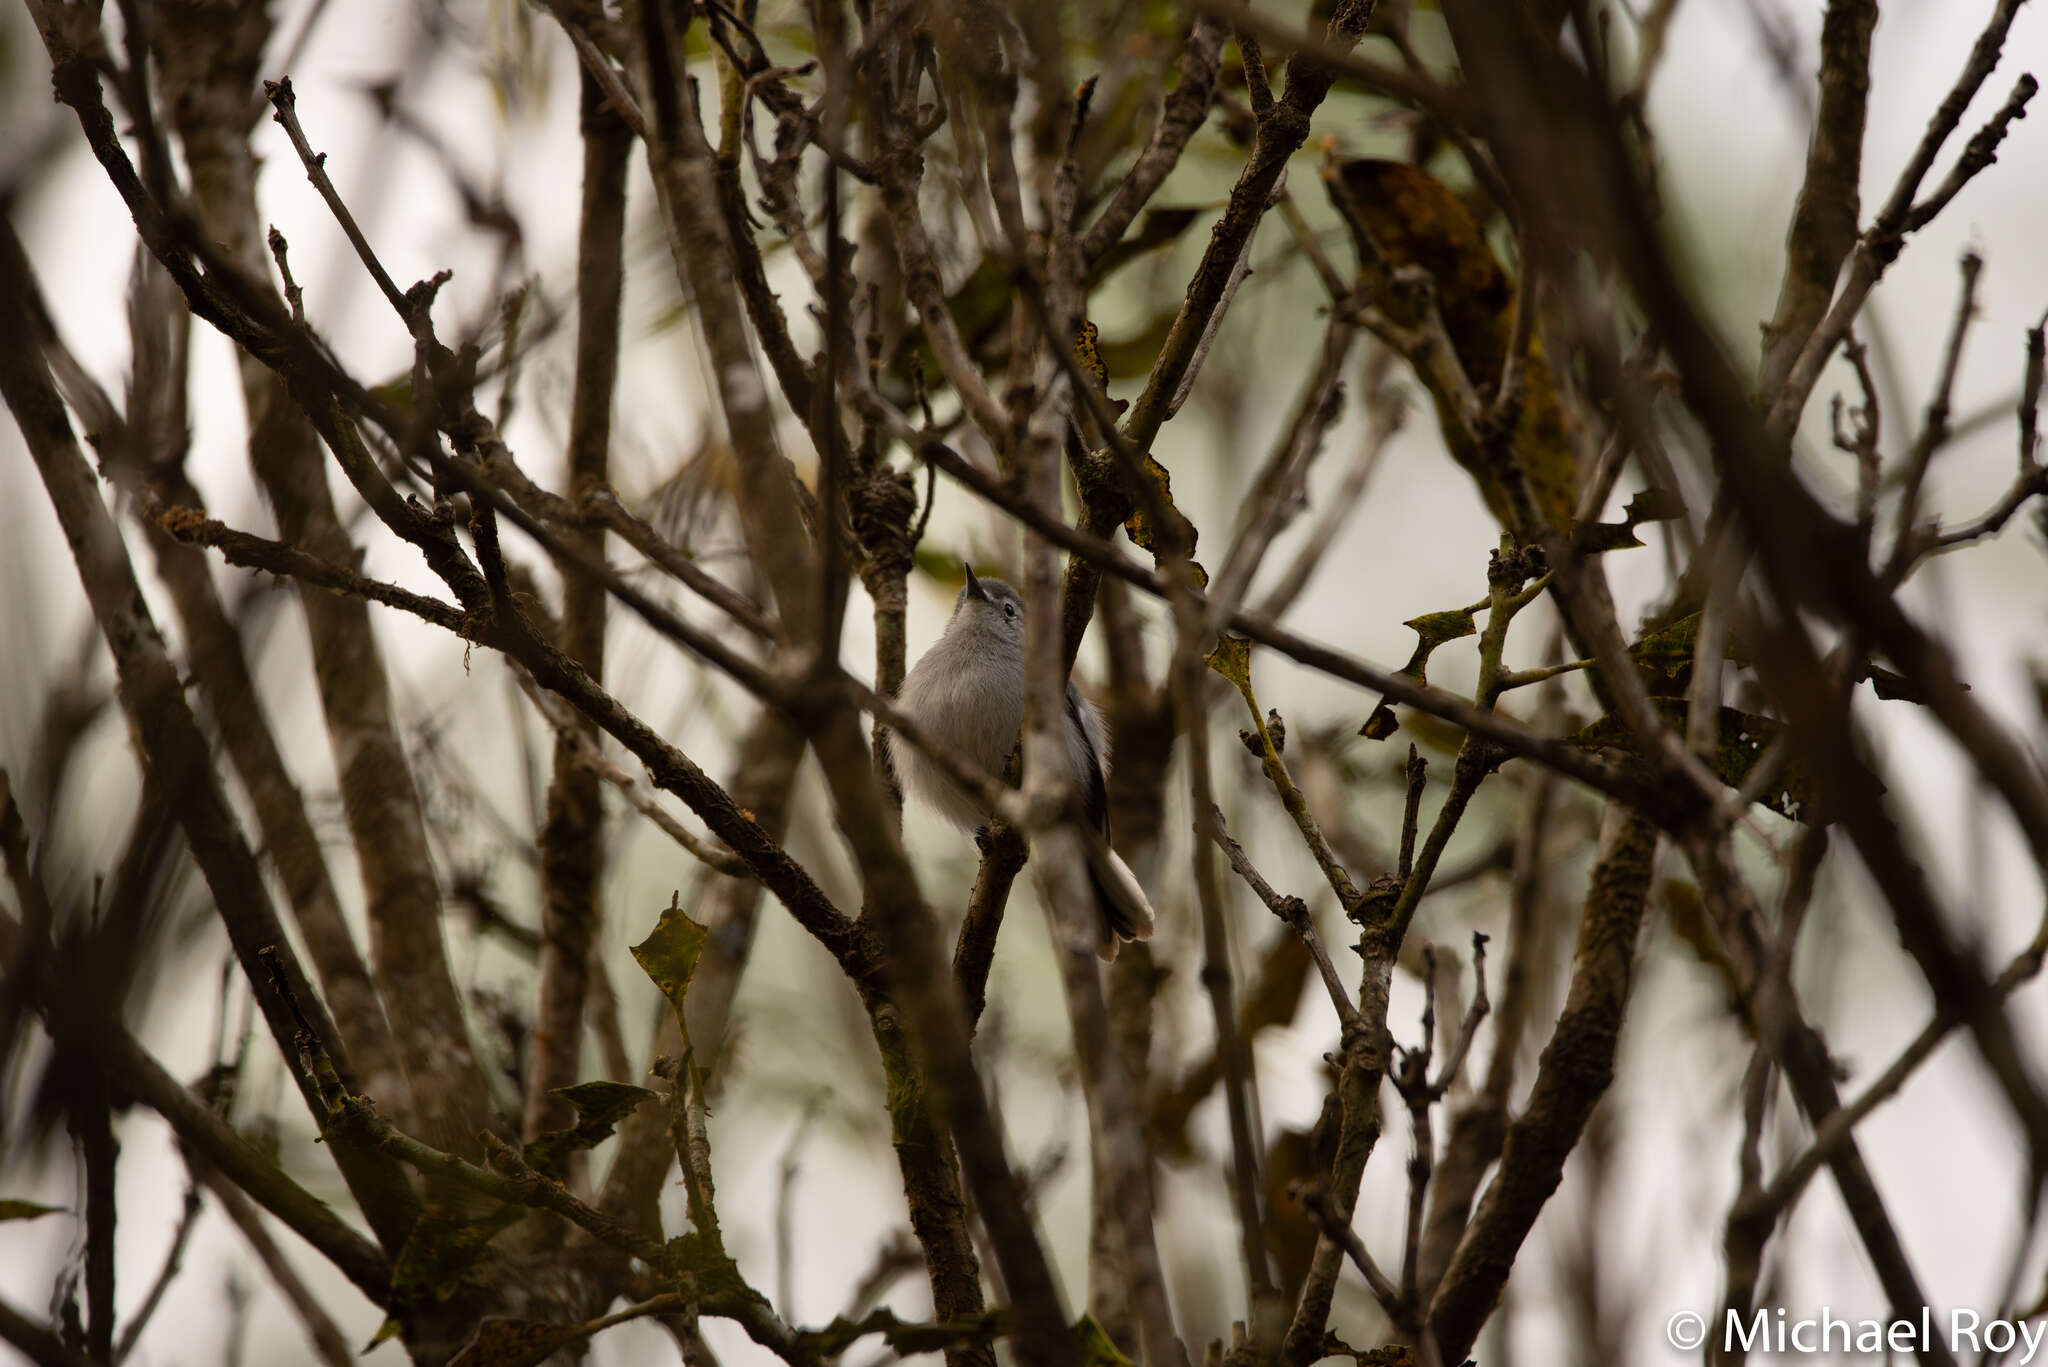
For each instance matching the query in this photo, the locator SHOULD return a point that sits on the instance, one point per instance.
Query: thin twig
(174, 1260)
(284, 106)
(1187, 686)
(1899, 216)
(1417, 774)
(1314, 1199)
(329, 1344)
(1934, 428)
(1292, 911)
(1835, 1131)
(589, 754)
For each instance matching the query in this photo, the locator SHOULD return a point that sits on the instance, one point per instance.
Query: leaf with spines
(1649, 505)
(1141, 530)
(1431, 629)
(1895, 687)
(1434, 629)
(600, 1106)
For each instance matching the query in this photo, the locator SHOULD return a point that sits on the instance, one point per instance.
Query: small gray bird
(968, 691)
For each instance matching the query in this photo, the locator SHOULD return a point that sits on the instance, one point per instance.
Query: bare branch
(1824, 220)
(1881, 242)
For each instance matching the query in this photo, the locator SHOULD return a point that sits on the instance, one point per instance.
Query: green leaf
(669, 955)
(26, 1210)
(1129, 355)
(1088, 351)
(1097, 1348)
(600, 1106)
(389, 1329)
(395, 394)
(1695, 930)
(603, 1103)
(1740, 741)
(1666, 655)
(1435, 629)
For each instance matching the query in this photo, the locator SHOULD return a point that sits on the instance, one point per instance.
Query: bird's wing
(1095, 793)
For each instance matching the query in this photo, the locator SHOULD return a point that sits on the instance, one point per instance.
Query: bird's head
(990, 607)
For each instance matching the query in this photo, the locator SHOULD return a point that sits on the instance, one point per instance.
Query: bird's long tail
(1126, 912)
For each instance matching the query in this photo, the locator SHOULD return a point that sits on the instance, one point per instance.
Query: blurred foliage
(1406, 217)
(1741, 739)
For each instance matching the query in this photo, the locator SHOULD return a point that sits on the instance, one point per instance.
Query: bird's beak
(974, 585)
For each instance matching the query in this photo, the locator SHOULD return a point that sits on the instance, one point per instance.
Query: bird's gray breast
(972, 701)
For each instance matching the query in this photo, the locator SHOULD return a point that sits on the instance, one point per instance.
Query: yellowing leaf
(1232, 658)
(669, 955)
(1140, 529)
(1436, 628)
(1088, 351)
